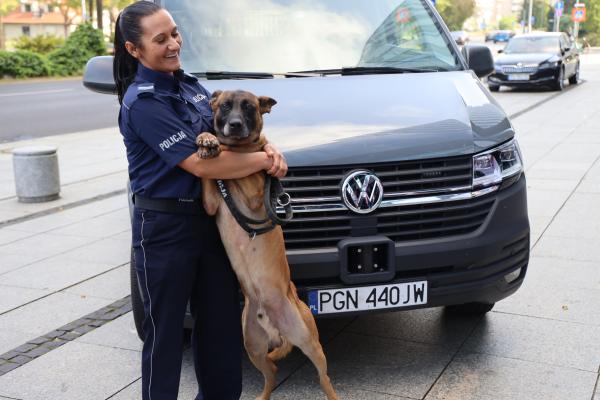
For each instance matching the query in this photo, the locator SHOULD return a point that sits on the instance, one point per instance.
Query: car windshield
(282, 36)
(539, 44)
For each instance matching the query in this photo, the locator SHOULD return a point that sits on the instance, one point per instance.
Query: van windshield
(282, 36)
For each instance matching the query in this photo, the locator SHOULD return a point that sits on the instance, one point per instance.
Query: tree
(114, 7)
(455, 12)
(69, 10)
(6, 6)
(539, 13)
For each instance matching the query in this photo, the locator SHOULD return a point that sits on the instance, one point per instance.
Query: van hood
(365, 119)
(525, 58)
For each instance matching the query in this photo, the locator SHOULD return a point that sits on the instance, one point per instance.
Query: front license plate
(367, 297)
(518, 77)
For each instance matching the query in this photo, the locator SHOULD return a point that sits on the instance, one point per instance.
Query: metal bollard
(36, 173)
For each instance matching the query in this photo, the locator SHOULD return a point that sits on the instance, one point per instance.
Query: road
(36, 109)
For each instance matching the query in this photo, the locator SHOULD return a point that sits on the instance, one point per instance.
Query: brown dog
(273, 317)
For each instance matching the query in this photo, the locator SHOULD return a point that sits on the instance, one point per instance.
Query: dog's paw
(208, 145)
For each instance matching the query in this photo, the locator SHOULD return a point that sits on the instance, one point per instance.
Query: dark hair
(128, 29)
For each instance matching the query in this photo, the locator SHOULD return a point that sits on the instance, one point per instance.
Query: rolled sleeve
(155, 121)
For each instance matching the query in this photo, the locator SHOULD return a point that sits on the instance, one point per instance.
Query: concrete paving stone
(566, 153)
(112, 285)
(15, 296)
(46, 244)
(537, 225)
(373, 364)
(560, 273)
(563, 303)
(8, 235)
(97, 227)
(119, 333)
(49, 313)
(11, 262)
(542, 203)
(579, 218)
(54, 273)
(560, 174)
(428, 326)
(550, 185)
(559, 343)
(115, 250)
(11, 338)
(577, 249)
(485, 377)
(73, 371)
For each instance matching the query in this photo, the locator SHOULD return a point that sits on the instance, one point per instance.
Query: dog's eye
(249, 107)
(226, 106)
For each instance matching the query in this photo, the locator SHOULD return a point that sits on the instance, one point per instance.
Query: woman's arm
(228, 165)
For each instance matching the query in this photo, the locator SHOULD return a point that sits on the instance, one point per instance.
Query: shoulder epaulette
(145, 89)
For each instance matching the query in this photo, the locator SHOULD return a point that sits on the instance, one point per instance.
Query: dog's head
(238, 116)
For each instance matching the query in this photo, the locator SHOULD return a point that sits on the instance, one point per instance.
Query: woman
(179, 255)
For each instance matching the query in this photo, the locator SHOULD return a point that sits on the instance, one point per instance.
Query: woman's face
(160, 43)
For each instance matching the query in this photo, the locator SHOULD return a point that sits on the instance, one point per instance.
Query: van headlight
(502, 165)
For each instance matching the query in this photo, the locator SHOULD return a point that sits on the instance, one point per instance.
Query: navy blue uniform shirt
(160, 117)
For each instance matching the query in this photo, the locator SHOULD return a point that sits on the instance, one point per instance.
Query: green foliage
(83, 44)
(455, 12)
(539, 12)
(23, 64)
(41, 44)
(507, 23)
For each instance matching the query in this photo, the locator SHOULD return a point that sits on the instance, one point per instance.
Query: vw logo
(362, 191)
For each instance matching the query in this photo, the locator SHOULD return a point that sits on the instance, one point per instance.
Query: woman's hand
(279, 167)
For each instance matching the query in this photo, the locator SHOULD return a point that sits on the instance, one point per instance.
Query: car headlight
(549, 64)
(501, 166)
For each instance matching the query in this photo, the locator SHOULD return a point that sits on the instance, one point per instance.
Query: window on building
(27, 7)
(26, 30)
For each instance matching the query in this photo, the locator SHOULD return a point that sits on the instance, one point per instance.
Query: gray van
(406, 179)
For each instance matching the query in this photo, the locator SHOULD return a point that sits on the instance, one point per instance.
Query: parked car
(460, 37)
(489, 36)
(536, 59)
(405, 175)
(502, 36)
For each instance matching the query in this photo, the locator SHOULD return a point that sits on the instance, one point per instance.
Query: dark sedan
(537, 59)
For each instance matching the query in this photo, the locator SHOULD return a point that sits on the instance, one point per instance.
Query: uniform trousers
(179, 258)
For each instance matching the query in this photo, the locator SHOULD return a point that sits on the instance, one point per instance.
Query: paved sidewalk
(541, 343)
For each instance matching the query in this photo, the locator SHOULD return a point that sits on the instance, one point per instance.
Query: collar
(163, 80)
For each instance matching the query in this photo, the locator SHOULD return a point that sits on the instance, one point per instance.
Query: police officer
(178, 252)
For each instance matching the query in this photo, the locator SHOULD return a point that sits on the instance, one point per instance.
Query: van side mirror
(98, 75)
(479, 59)
(500, 51)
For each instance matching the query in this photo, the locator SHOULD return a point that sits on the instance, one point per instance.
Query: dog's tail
(281, 351)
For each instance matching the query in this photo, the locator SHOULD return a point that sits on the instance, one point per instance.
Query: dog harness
(274, 196)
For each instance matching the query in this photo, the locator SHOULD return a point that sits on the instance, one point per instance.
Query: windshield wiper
(234, 75)
(382, 70)
(367, 70)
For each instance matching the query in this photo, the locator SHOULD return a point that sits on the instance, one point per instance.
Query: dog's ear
(265, 104)
(214, 98)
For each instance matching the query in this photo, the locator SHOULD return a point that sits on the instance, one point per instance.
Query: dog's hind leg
(256, 341)
(297, 325)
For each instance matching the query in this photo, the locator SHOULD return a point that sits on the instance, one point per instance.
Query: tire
(470, 309)
(559, 84)
(574, 80)
(494, 88)
(137, 304)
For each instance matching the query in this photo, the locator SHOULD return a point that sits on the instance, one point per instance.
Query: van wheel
(137, 304)
(470, 309)
(493, 88)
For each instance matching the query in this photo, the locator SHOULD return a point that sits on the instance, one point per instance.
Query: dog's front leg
(208, 145)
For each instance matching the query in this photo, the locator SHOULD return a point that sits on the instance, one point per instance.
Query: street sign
(578, 14)
(559, 6)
